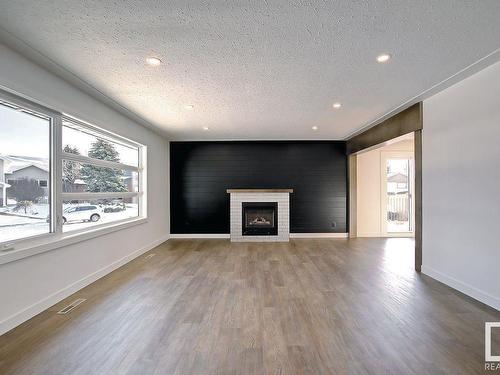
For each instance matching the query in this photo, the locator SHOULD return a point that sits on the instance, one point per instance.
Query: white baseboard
(29, 312)
(199, 236)
(292, 235)
(465, 288)
(319, 235)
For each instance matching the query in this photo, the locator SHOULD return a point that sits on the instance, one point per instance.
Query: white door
(397, 204)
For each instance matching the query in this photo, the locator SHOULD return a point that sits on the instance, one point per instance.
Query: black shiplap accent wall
(200, 173)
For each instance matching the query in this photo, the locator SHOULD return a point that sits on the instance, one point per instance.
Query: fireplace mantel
(229, 191)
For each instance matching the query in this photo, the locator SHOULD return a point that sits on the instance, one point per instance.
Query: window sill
(51, 243)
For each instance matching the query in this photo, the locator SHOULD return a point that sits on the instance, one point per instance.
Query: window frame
(56, 237)
(140, 170)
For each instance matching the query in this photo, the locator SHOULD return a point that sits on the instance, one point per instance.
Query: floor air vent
(71, 306)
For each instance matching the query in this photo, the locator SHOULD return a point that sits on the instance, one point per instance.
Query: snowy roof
(15, 163)
(398, 177)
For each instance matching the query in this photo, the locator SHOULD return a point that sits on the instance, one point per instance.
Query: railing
(397, 207)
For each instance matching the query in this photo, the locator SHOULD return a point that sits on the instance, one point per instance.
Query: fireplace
(260, 215)
(259, 218)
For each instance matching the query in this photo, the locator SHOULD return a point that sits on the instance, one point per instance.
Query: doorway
(397, 192)
(408, 121)
(385, 189)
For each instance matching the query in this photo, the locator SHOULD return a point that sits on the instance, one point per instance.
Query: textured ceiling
(258, 69)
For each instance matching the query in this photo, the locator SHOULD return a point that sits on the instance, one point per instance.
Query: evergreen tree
(101, 179)
(71, 169)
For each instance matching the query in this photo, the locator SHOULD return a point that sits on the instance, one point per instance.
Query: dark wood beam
(417, 138)
(407, 121)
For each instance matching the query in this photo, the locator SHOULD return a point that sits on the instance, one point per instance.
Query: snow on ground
(37, 210)
(10, 220)
(10, 233)
(131, 211)
(20, 226)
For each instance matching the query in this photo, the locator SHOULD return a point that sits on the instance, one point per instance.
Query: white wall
(30, 285)
(368, 194)
(461, 185)
(369, 171)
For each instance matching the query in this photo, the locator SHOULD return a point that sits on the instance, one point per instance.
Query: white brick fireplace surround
(280, 196)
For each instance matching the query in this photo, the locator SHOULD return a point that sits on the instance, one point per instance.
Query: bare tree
(23, 205)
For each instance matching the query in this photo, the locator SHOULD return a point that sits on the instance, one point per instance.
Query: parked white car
(81, 213)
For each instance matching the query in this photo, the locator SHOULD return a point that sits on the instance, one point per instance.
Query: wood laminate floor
(330, 306)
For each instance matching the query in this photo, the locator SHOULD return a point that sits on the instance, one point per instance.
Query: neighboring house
(79, 186)
(397, 183)
(129, 180)
(131, 183)
(3, 196)
(3, 185)
(15, 168)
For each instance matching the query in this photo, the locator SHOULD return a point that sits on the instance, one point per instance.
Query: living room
(215, 188)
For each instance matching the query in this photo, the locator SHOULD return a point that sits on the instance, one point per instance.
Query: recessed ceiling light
(206, 128)
(153, 61)
(383, 58)
(314, 128)
(337, 105)
(189, 107)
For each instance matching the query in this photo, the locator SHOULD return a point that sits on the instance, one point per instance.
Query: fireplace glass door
(260, 218)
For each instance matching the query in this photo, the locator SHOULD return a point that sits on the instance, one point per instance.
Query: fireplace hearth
(259, 218)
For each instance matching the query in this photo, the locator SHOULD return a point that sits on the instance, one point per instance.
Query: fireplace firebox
(260, 218)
